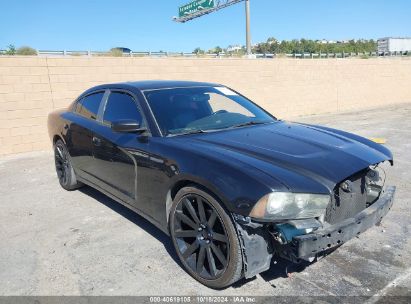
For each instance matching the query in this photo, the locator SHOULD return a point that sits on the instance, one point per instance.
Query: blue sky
(146, 24)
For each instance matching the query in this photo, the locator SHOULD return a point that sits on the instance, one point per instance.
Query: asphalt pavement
(54, 242)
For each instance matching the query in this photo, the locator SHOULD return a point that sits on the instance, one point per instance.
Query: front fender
(237, 186)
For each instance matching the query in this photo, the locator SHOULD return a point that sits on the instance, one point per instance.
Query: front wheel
(205, 238)
(64, 169)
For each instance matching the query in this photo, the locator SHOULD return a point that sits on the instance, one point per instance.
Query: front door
(113, 164)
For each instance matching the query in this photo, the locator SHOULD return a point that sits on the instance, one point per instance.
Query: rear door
(114, 166)
(79, 135)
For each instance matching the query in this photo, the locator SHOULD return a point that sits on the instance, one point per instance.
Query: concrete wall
(31, 87)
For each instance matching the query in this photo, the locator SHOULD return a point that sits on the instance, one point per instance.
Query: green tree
(198, 51)
(116, 52)
(26, 50)
(218, 50)
(296, 46)
(11, 50)
(272, 40)
(261, 48)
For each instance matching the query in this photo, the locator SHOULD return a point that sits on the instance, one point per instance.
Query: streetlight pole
(247, 26)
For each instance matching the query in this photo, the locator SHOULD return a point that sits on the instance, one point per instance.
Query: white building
(325, 41)
(391, 45)
(234, 48)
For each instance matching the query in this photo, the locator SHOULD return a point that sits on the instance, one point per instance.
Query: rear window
(88, 106)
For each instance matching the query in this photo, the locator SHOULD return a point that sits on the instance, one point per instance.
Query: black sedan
(232, 185)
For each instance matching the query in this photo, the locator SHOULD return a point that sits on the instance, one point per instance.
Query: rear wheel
(64, 169)
(205, 238)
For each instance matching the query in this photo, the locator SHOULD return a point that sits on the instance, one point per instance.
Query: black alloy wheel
(64, 169)
(205, 238)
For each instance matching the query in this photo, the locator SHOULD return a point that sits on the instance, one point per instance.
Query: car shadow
(134, 218)
(280, 268)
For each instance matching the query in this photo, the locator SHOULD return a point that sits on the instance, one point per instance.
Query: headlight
(287, 205)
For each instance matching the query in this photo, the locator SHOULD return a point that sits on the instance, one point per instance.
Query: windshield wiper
(189, 132)
(249, 123)
(195, 132)
(199, 131)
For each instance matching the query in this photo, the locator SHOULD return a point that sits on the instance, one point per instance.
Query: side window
(121, 106)
(88, 106)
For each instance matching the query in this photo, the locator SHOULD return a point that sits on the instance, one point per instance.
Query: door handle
(96, 141)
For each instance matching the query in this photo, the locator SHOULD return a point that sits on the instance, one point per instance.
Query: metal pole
(247, 26)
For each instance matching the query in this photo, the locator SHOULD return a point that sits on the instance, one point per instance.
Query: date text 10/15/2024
(202, 299)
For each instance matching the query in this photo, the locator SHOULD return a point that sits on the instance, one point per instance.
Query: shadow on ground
(281, 269)
(134, 218)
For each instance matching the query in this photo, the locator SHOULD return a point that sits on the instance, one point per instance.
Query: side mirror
(127, 126)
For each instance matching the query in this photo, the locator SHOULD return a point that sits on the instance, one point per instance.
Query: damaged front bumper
(308, 245)
(259, 245)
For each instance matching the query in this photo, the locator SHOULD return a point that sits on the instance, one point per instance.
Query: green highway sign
(194, 7)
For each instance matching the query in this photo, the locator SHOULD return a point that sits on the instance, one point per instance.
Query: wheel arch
(57, 137)
(201, 184)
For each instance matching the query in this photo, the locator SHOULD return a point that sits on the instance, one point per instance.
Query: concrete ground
(54, 242)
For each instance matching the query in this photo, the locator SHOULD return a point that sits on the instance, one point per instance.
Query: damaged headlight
(287, 205)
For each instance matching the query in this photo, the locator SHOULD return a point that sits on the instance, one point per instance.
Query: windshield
(202, 109)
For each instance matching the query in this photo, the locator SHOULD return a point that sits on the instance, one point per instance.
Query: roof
(386, 38)
(150, 85)
(155, 84)
(163, 84)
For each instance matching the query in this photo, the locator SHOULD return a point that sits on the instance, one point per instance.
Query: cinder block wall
(31, 87)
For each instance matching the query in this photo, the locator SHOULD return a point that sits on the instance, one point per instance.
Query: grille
(350, 197)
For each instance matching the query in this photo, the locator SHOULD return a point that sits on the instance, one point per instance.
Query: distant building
(272, 41)
(391, 45)
(234, 48)
(325, 41)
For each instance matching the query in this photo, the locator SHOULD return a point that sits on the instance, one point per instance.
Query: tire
(205, 238)
(64, 169)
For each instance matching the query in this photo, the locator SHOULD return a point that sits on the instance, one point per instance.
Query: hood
(297, 154)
